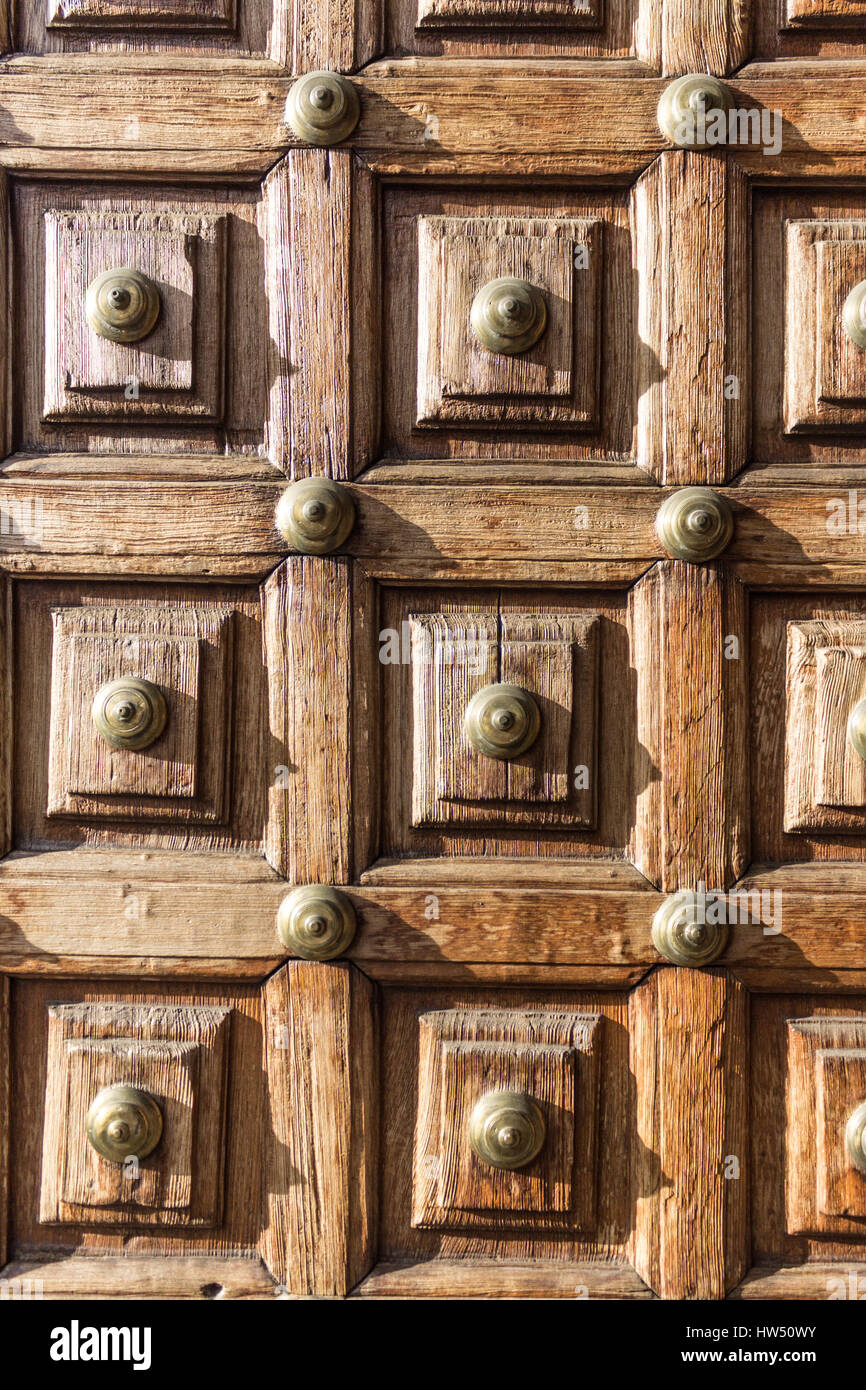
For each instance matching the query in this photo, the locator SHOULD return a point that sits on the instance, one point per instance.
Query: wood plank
(809, 1281)
(500, 1278)
(711, 37)
(339, 35)
(5, 1114)
(689, 1042)
(692, 816)
(320, 1221)
(308, 624)
(690, 428)
(142, 1276)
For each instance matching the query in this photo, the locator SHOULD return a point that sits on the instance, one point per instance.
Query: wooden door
(329, 965)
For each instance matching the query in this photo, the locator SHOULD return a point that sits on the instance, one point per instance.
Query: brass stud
(508, 315)
(681, 933)
(502, 721)
(122, 305)
(857, 728)
(316, 922)
(124, 1121)
(323, 108)
(315, 515)
(855, 1137)
(130, 712)
(685, 106)
(854, 314)
(695, 524)
(507, 1129)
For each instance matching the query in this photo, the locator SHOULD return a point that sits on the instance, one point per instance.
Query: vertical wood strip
(691, 240)
(710, 37)
(692, 817)
(321, 1058)
(5, 1113)
(320, 220)
(276, 221)
(689, 1047)
(308, 624)
(341, 35)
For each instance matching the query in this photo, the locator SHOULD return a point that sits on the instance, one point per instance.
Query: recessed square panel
(178, 1056)
(555, 660)
(131, 14)
(825, 370)
(825, 776)
(550, 1057)
(554, 381)
(825, 1194)
(823, 14)
(177, 368)
(182, 775)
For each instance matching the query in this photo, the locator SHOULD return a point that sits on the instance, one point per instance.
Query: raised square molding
(150, 14)
(582, 14)
(825, 372)
(825, 778)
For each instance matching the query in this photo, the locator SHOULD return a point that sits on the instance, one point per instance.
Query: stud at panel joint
(694, 524)
(315, 515)
(681, 933)
(854, 314)
(687, 109)
(323, 108)
(129, 712)
(122, 305)
(316, 922)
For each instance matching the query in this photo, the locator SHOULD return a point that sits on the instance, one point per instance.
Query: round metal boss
(508, 315)
(681, 933)
(854, 314)
(323, 108)
(507, 1129)
(855, 1137)
(315, 515)
(129, 712)
(316, 922)
(122, 305)
(124, 1121)
(502, 721)
(694, 524)
(857, 728)
(685, 106)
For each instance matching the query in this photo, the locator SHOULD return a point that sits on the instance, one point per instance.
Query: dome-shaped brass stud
(122, 305)
(694, 524)
(857, 728)
(686, 106)
(323, 108)
(130, 712)
(124, 1121)
(854, 314)
(681, 933)
(502, 721)
(508, 315)
(507, 1129)
(315, 515)
(316, 922)
(855, 1137)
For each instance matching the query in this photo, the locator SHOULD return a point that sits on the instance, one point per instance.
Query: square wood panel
(555, 660)
(825, 777)
(555, 380)
(826, 1082)
(551, 1057)
(823, 14)
(213, 27)
(178, 1056)
(587, 14)
(126, 14)
(825, 371)
(183, 775)
(177, 368)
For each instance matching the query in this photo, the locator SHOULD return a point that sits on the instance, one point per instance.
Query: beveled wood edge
(163, 1276)
(484, 1279)
(830, 1281)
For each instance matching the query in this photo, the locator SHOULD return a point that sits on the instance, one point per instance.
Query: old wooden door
(437, 886)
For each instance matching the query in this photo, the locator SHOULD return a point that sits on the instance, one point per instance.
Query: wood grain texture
(712, 38)
(322, 1163)
(145, 1277)
(498, 1278)
(692, 812)
(689, 1041)
(339, 35)
(819, 1279)
(308, 640)
(5, 1114)
(690, 428)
